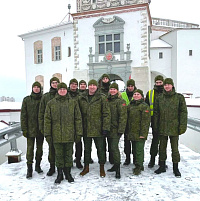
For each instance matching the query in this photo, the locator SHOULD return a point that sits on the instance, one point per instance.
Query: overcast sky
(21, 16)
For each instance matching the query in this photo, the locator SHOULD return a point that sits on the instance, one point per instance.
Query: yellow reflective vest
(125, 97)
(151, 100)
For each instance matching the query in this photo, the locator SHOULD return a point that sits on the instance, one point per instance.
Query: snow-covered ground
(147, 186)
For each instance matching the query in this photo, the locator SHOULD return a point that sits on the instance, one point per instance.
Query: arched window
(38, 52)
(58, 75)
(56, 48)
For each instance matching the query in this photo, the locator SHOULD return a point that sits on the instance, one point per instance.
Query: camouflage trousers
(51, 155)
(30, 149)
(174, 148)
(154, 144)
(138, 151)
(63, 153)
(114, 149)
(99, 143)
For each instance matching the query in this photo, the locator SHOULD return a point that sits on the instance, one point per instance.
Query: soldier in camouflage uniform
(170, 121)
(74, 93)
(63, 127)
(96, 123)
(105, 84)
(30, 128)
(128, 96)
(118, 124)
(45, 99)
(138, 127)
(150, 100)
(82, 86)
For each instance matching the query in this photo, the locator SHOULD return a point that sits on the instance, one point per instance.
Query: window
(190, 52)
(69, 51)
(38, 52)
(160, 55)
(57, 53)
(39, 56)
(109, 42)
(56, 49)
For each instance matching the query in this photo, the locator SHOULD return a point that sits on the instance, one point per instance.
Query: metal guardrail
(193, 124)
(10, 134)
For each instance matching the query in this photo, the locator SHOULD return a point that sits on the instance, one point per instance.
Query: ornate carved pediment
(110, 20)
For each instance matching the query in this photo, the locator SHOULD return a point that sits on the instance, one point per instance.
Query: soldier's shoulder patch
(124, 104)
(146, 110)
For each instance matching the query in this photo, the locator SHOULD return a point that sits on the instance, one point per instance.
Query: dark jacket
(170, 114)
(62, 119)
(118, 111)
(139, 118)
(95, 114)
(29, 115)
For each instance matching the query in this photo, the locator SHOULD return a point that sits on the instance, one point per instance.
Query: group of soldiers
(65, 115)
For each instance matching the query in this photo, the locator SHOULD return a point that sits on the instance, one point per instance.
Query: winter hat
(168, 81)
(92, 82)
(139, 91)
(159, 77)
(114, 85)
(82, 81)
(131, 82)
(105, 75)
(73, 80)
(36, 84)
(62, 85)
(54, 79)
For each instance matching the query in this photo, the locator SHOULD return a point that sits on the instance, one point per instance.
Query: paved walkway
(147, 186)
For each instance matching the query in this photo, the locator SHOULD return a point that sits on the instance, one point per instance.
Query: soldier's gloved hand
(25, 134)
(119, 134)
(49, 139)
(105, 133)
(78, 139)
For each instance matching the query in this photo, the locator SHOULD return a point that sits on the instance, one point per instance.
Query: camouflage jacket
(95, 114)
(139, 119)
(29, 115)
(74, 95)
(118, 110)
(45, 99)
(170, 114)
(62, 119)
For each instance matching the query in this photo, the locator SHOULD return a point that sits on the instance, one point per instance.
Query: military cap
(92, 82)
(131, 82)
(36, 84)
(139, 91)
(114, 85)
(73, 80)
(62, 85)
(105, 75)
(54, 79)
(82, 81)
(159, 77)
(168, 81)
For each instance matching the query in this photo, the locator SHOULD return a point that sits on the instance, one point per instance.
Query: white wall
(188, 66)
(49, 67)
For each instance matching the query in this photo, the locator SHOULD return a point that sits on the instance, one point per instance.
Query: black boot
(118, 175)
(127, 161)
(78, 164)
(111, 158)
(59, 176)
(29, 171)
(176, 170)
(91, 161)
(51, 170)
(165, 164)
(151, 162)
(68, 176)
(112, 169)
(162, 168)
(37, 167)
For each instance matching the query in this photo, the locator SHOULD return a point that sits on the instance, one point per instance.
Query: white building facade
(117, 37)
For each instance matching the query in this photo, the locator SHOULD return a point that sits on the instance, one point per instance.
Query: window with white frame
(190, 52)
(109, 42)
(160, 55)
(57, 53)
(39, 56)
